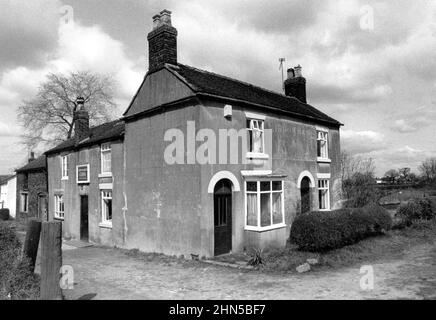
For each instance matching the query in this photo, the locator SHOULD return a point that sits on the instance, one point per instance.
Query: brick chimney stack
(295, 84)
(162, 42)
(81, 120)
(31, 156)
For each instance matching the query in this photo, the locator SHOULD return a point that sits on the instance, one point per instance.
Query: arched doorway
(222, 202)
(305, 195)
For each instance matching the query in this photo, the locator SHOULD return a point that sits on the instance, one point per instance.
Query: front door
(222, 200)
(84, 233)
(305, 195)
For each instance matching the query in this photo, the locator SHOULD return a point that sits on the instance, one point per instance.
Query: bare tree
(392, 175)
(49, 117)
(358, 182)
(404, 174)
(428, 169)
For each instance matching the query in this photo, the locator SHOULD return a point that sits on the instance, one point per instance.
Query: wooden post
(51, 260)
(32, 241)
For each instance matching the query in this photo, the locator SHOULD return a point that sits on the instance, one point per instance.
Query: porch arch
(303, 174)
(223, 175)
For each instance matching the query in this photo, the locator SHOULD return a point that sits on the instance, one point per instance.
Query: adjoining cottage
(83, 174)
(204, 165)
(31, 195)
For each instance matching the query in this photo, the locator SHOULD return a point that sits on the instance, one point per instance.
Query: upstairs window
(324, 194)
(106, 158)
(64, 167)
(255, 128)
(322, 144)
(59, 212)
(106, 204)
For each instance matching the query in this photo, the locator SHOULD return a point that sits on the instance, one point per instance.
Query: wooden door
(84, 225)
(305, 195)
(223, 217)
(42, 207)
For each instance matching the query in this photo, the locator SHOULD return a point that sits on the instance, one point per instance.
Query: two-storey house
(208, 164)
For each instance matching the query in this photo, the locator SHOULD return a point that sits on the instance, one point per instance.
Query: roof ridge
(242, 82)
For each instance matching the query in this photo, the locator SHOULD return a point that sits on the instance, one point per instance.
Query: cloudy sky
(369, 64)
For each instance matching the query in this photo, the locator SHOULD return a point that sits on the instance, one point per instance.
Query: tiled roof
(201, 81)
(105, 132)
(39, 163)
(4, 178)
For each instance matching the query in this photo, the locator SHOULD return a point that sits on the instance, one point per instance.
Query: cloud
(7, 130)
(415, 120)
(361, 142)
(28, 31)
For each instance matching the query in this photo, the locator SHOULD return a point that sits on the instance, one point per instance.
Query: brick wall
(35, 184)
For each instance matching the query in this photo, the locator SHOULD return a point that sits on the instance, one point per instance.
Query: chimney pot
(291, 73)
(298, 71)
(165, 16)
(156, 21)
(295, 84)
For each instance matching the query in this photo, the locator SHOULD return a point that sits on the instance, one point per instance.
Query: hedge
(4, 214)
(16, 280)
(322, 231)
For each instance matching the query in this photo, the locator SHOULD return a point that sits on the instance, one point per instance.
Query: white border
(77, 173)
(255, 116)
(303, 174)
(248, 173)
(223, 175)
(323, 176)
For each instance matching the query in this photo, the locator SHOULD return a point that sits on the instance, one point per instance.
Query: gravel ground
(106, 273)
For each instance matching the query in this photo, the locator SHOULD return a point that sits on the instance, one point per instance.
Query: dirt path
(103, 273)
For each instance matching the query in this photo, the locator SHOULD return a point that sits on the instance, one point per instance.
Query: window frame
(64, 167)
(103, 221)
(59, 214)
(105, 148)
(327, 194)
(77, 173)
(258, 193)
(261, 120)
(25, 208)
(320, 157)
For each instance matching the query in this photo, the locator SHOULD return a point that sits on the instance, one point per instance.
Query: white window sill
(59, 219)
(262, 229)
(64, 178)
(319, 159)
(107, 225)
(105, 175)
(324, 210)
(255, 155)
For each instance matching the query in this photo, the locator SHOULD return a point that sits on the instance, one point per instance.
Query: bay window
(264, 205)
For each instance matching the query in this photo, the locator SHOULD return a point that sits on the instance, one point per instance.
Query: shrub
(4, 214)
(322, 231)
(16, 279)
(415, 209)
